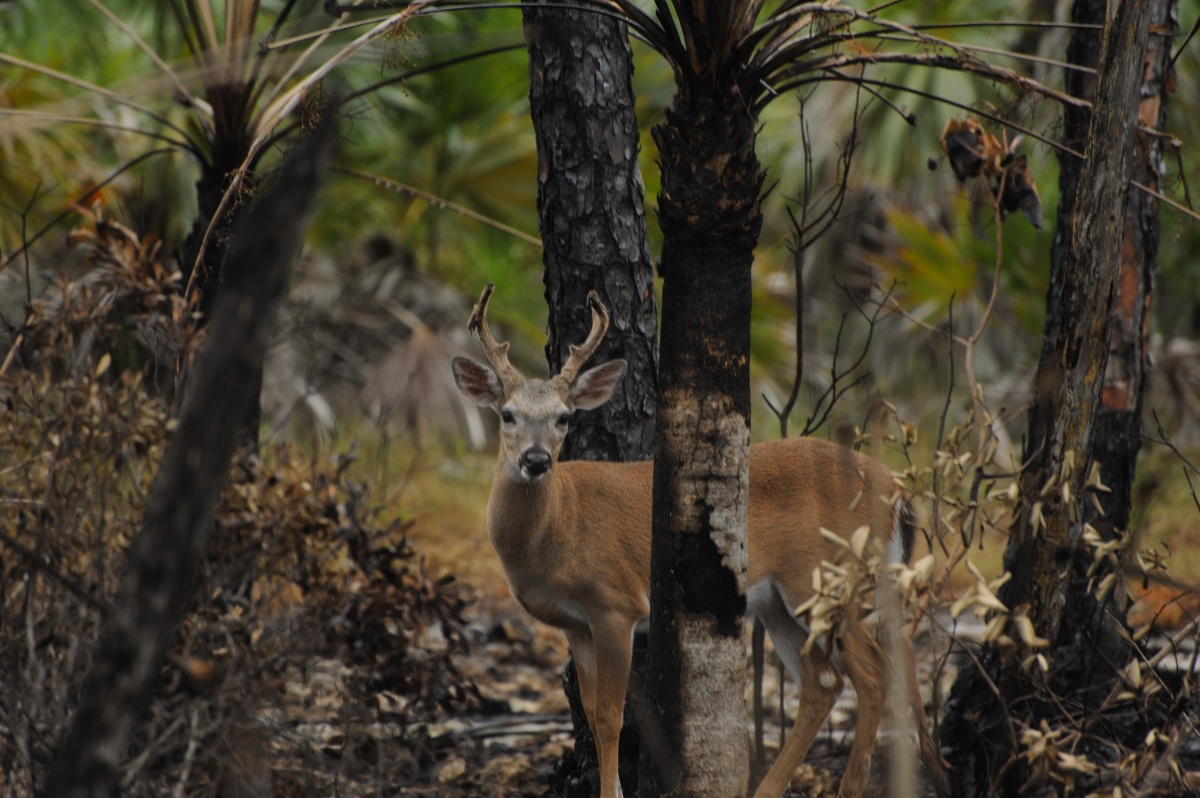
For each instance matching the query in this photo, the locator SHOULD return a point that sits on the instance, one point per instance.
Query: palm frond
(155, 58)
(99, 91)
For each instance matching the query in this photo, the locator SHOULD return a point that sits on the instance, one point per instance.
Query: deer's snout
(535, 462)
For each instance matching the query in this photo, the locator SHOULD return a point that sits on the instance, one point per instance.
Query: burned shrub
(315, 641)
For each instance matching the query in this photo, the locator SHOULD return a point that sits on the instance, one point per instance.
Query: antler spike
(581, 353)
(497, 353)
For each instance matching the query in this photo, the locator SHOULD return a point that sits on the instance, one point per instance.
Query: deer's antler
(497, 353)
(581, 353)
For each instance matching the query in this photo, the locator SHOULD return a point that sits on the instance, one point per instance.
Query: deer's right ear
(477, 382)
(595, 386)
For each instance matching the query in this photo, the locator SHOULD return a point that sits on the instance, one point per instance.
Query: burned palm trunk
(206, 248)
(594, 237)
(710, 216)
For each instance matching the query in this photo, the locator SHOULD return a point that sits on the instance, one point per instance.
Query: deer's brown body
(574, 539)
(548, 530)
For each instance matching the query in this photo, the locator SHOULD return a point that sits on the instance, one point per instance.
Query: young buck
(574, 539)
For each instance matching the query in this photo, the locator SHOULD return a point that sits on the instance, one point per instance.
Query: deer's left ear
(477, 382)
(595, 386)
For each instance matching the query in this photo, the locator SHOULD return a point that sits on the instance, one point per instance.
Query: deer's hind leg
(865, 665)
(814, 673)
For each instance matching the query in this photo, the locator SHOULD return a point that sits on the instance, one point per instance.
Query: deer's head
(535, 414)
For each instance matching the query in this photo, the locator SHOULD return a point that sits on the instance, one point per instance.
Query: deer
(574, 541)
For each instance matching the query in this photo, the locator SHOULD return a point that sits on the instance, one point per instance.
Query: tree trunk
(591, 218)
(710, 217)
(229, 148)
(158, 578)
(1088, 247)
(1118, 429)
(1068, 391)
(594, 237)
(1090, 647)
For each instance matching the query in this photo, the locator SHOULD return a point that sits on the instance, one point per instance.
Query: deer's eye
(564, 419)
(506, 416)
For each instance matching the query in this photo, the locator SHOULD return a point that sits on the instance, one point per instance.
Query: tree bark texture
(229, 146)
(593, 230)
(591, 217)
(1088, 260)
(1090, 647)
(1069, 382)
(163, 560)
(710, 216)
(1117, 438)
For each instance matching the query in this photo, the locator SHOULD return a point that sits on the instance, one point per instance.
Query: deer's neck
(522, 515)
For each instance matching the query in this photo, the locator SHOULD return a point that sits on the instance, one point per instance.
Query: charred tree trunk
(1063, 424)
(710, 216)
(594, 237)
(163, 560)
(591, 217)
(1090, 648)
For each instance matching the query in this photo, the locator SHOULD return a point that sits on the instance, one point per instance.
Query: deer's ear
(477, 382)
(595, 386)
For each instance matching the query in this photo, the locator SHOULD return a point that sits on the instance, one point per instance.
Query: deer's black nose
(535, 462)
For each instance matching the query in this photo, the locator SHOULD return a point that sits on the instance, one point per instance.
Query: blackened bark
(206, 271)
(591, 218)
(710, 216)
(1118, 429)
(1091, 647)
(163, 560)
(594, 237)
(1087, 257)
(1083, 49)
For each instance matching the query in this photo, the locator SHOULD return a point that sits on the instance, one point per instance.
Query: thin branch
(775, 74)
(284, 131)
(830, 396)
(27, 244)
(928, 95)
(276, 26)
(945, 414)
(93, 88)
(272, 44)
(907, 116)
(156, 59)
(35, 560)
(798, 250)
(279, 102)
(438, 202)
(1186, 211)
(638, 21)
(1182, 46)
(1000, 51)
(183, 144)
(1008, 23)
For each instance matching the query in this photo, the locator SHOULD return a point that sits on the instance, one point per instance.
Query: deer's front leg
(610, 647)
(584, 651)
(580, 641)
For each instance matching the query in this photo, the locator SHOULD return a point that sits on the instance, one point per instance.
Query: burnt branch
(163, 560)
